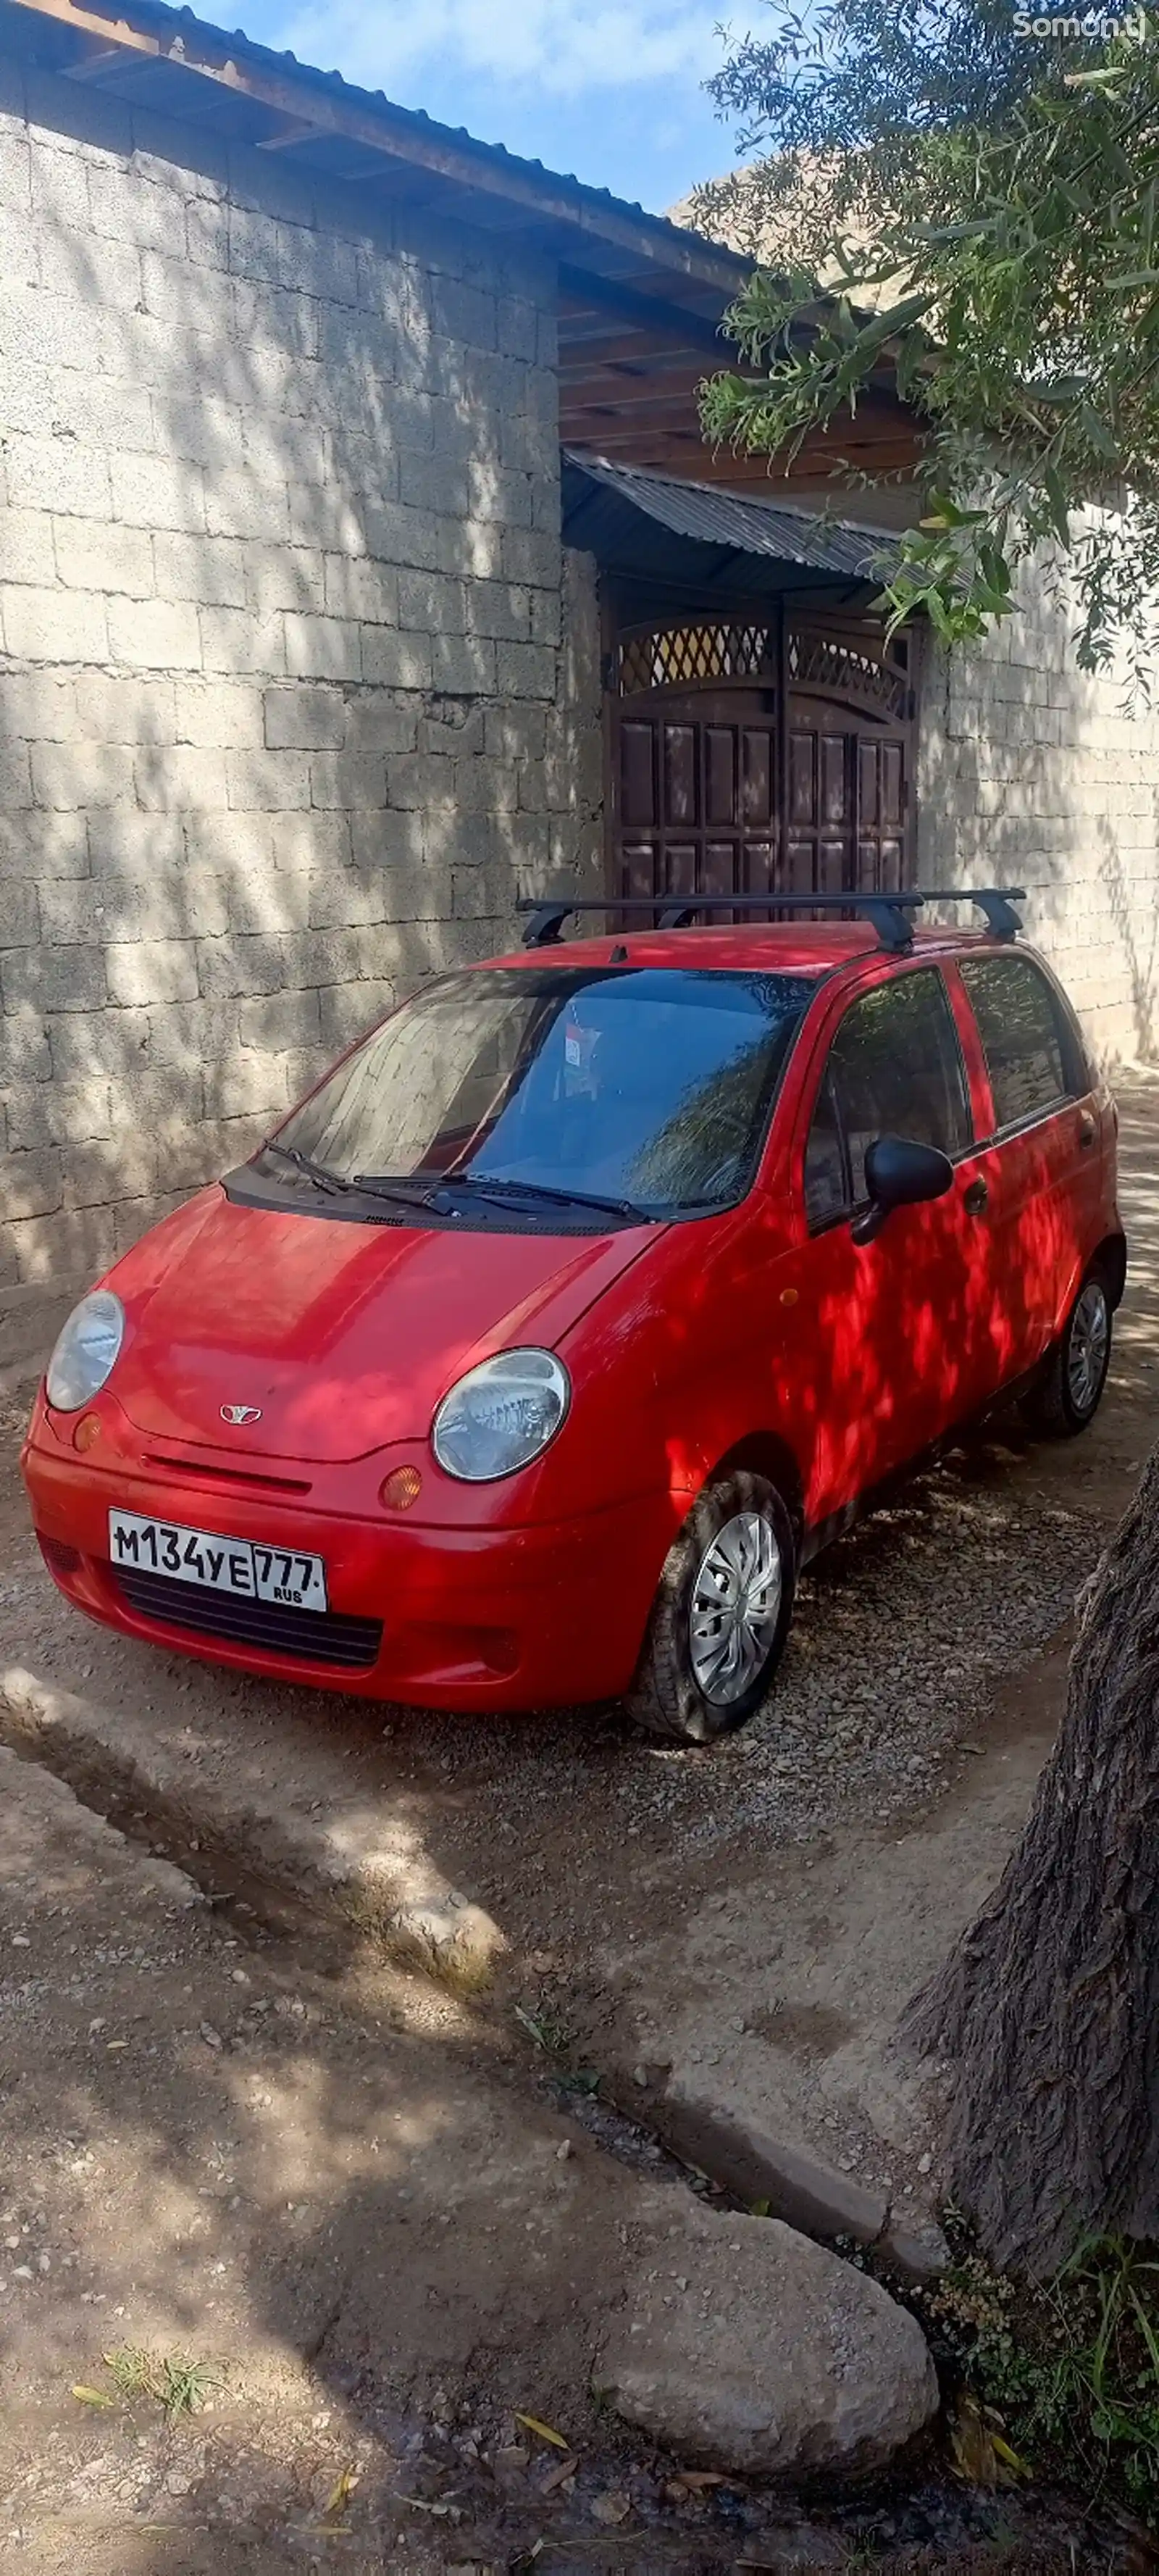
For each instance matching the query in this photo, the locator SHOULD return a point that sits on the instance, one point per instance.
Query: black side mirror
(900, 1173)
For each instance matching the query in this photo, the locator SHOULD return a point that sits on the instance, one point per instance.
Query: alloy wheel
(735, 1607)
(1087, 1341)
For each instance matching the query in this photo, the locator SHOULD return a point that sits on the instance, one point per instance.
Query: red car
(581, 1302)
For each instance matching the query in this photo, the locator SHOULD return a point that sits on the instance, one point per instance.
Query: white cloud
(555, 46)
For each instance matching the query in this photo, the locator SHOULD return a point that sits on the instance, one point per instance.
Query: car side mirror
(900, 1173)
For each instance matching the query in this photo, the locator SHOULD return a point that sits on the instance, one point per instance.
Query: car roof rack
(889, 913)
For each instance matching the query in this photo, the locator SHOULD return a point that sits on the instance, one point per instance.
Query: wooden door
(698, 797)
(749, 760)
(846, 819)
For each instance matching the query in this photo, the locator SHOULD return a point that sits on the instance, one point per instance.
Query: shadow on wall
(1136, 923)
(1030, 773)
(287, 717)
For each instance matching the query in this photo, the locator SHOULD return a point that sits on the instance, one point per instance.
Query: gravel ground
(902, 1630)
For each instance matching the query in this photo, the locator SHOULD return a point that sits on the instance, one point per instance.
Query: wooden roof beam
(397, 135)
(664, 348)
(669, 449)
(626, 394)
(604, 295)
(94, 65)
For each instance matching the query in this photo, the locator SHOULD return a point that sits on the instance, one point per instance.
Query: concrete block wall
(288, 712)
(1032, 773)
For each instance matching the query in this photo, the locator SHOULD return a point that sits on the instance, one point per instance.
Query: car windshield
(649, 1086)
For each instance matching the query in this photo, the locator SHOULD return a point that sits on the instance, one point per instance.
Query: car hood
(343, 1336)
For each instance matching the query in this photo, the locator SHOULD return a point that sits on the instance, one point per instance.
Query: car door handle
(975, 1197)
(1087, 1129)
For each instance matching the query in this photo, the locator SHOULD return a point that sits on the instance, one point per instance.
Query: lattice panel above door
(841, 671)
(674, 657)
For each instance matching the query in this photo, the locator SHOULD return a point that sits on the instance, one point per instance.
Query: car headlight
(501, 1415)
(86, 1351)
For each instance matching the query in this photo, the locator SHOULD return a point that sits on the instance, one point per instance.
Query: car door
(1041, 1157)
(888, 1348)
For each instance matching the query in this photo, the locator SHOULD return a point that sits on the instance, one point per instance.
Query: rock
(780, 2357)
(614, 2506)
(914, 2246)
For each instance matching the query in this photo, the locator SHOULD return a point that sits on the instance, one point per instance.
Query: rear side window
(894, 1069)
(1033, 1051)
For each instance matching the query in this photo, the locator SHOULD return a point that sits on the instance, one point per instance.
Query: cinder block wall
(1031, 773)
(287, 715)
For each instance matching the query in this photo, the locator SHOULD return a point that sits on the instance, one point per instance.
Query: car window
(653, 1084)
(894, 1069)
(826, 1170)
(1033, 1054)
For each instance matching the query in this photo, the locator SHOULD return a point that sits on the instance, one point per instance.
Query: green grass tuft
(168, 2380)
(1069, 2367)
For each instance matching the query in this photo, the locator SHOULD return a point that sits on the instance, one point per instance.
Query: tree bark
(1048, 2009)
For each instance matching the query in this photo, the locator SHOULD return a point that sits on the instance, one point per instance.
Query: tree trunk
(1048, 2009)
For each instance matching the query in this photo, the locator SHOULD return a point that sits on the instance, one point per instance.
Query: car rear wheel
(721, 1614)
(1068, 1393)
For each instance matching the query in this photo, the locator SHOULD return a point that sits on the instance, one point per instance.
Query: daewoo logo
(238, 1413)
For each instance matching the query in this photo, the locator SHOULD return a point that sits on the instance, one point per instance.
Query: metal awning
(655, 529)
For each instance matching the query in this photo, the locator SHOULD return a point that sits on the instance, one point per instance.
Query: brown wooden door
(698, 797)
(699, 803)
(845, 826)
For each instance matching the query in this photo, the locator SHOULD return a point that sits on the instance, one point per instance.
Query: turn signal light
(87, 1431)
(400, 1489)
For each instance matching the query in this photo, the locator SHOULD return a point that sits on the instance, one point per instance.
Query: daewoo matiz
(549, 1337)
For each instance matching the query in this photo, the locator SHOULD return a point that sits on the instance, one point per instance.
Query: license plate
(236, 1565)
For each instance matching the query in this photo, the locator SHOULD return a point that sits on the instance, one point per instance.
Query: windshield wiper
(375, 1185)
(379, 1185)
(319, 1173)
(364, 1184)
(543, 1191)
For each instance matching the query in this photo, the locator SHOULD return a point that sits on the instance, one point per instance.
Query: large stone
(744, 2346)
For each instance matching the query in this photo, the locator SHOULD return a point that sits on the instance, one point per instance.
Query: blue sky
(611, 90)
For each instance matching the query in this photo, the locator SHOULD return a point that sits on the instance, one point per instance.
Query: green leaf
(1106, 76)
(1055, 492)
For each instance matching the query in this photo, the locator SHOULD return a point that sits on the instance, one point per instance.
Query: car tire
(1070, 1388)
(705, 1667)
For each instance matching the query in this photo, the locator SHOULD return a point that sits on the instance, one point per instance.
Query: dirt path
(216, 2147)
(319, 2184)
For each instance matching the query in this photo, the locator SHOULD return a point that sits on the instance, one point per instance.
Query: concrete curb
(352, 1861)
(811, 2196)
(42, 1801)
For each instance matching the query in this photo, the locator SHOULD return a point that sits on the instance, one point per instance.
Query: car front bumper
(471, 1618)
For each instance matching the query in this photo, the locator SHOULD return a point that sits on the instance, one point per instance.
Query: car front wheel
(721, 1614)
(1068, 1392)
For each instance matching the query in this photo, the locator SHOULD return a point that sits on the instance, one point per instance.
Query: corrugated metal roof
(184, 26)
(706, 516)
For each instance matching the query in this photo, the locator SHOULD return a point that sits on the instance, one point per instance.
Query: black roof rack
(889, 913)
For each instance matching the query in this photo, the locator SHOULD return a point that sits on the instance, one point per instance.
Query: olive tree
(981, 208)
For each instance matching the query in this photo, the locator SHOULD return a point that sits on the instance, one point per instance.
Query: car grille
(315, 1636)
